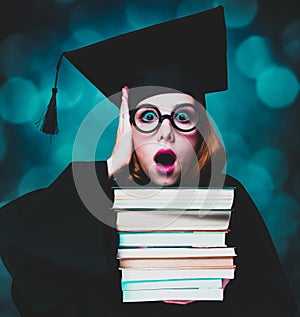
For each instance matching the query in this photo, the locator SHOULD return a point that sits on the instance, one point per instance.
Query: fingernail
(125, 92)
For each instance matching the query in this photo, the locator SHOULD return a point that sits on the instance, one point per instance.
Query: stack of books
(172, 242)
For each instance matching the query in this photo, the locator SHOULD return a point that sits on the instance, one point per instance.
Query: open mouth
(165, 160)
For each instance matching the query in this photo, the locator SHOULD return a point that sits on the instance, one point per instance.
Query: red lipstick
(165, 161)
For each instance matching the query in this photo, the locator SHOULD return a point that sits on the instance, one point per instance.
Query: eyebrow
(175, 106)
(145, 105)
(185, 104)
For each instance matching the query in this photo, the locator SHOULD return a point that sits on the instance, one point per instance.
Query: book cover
(171, 238)
(161, 221)
(179, 263)
(172, 294)
(167, 274)
(172, 283)
(175, 252)
(182, 198)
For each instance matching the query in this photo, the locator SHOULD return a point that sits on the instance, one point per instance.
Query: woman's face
(166, 154)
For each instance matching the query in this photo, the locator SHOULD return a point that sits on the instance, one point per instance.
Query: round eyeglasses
(147, 118)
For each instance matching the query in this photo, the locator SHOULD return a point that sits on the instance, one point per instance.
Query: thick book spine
(173, 294)
(159, 221)
(179, 263)
(175, 252)
(185, 198)
(167, 274)
(168, 239)
(175, 283)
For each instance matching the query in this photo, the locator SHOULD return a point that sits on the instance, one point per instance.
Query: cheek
(138, 141)
(188, 150)
(141, 147)
(193, 140)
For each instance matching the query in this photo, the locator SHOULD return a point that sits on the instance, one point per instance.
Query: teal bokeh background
(258, 117)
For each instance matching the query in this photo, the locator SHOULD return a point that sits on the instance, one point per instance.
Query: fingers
(123, 126)
(122, 151)
(225, 281)
(125, 109)
(179, 302)
(125, 93)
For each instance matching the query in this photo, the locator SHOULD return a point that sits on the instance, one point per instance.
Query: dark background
(257, 118)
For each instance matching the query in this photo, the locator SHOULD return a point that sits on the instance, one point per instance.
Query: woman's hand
(180, 302)
(122, 151)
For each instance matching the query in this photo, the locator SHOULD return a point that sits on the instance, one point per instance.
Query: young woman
(63, 259)
(177, 142)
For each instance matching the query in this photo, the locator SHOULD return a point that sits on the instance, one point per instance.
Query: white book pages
(179, 239)
(176, 283)
(173, 294)
(167, 274)
(175, 252)
(182, 198)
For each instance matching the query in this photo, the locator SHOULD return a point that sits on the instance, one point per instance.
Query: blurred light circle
(156, 12)
(106, 23)
(235, 144)
(72, 86)
(35, 178)
(62, 154)
(70, 89)
(292, 50)
(70, 43)
(86, 36)
(24, 56)
(220, 106)
(63, 100)
(277, 87)
(291, 41)
(275, 162)
(20, 100)
(187, 7)
(83, 16)
(13, 51)
(256, 179)
(85, 149)
(253, 56)
(238, 13)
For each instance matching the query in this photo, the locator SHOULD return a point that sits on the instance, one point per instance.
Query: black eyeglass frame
(161, 117)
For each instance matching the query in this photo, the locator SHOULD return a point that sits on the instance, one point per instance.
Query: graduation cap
(187, 54)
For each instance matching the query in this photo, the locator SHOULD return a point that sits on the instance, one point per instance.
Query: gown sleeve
(48, 237)
(260, 287)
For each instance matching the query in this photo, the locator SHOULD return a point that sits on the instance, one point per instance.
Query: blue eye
(182, 117)
(149, 116)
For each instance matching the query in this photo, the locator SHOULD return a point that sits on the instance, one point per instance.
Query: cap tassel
(50, 125)
(48, 121)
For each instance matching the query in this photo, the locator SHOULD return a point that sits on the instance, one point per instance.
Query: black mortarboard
(187, 54)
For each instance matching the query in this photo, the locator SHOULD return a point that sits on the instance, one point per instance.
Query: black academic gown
(62, 259)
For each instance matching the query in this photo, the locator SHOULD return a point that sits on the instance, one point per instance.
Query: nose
(166, 131)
